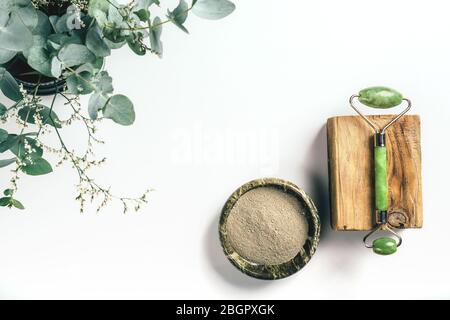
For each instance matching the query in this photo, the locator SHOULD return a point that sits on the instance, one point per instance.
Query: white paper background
(273, 71)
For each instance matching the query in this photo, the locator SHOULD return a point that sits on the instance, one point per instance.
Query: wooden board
(350, 158)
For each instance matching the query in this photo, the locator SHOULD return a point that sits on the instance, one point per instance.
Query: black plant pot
(30, 79)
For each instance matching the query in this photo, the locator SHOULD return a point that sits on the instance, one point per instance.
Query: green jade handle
(381, 98)
(381, 184)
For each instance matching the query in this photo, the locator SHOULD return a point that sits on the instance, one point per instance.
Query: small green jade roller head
(381, 98)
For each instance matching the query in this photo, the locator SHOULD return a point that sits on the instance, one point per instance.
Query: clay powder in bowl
(269, 228)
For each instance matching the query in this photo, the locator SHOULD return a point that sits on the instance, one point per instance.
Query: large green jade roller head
(381, 98)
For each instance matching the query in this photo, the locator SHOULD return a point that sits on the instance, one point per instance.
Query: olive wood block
(351, 172)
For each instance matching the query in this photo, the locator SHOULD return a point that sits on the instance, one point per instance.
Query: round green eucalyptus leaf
(55, 67)
(95, 42)
(104, 82)
(4, 18)
(98, 64)
(87, 67)
(80, 83)
(10, 4)
(179, 15)
(114, 16)
(114, 45)
(28, 15)
(6, 55)
(213, 9)
(39, 41)
(98, 9)
(136, 46)
(143, 14)
(75, 54)
(39, 60)
(97, 101)
(43, 26)
(120, 109)
(115, 35)
(15, 36)
(61, 25)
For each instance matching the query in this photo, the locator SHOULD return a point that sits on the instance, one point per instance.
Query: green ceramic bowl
(272, 272)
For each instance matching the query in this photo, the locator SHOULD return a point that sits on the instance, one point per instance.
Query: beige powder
(267, 226)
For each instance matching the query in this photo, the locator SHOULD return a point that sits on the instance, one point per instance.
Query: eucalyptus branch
(73, 56)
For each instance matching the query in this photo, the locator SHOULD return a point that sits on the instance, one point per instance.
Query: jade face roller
(381, 98)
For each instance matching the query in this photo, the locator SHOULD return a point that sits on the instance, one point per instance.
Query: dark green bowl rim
(272, 272)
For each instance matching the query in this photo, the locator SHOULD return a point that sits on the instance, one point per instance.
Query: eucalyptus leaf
(104, 83)
(15, 36)
(136, 45)
(179, 15)
(47, 116)
(17, 204)
(98, 64)
(6, 55)
(57, 40)
(8, 192)
(10, 142)
(11, 4)
(144, 4)
(61, 25)
(9, 86)
(4, 18)
(53, 21)
(7, 162)
(21, 151)
(39, 42)
(5, 201)
(55, 67)
(75, 54)
(114, 16)
(116, 35)
(39, 167)
(80, 83)
(155, 36)
(120, 109)
(100, 5)
(39, 60)
(143, 14)
(213, 9)
(98, 9)
(3, 135)
(87, 67)
(28, 15)
(43, 25)
(97, 101)
(114, 45)
(95, 42)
